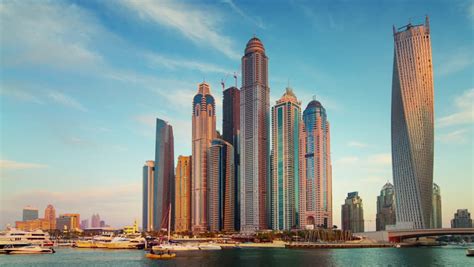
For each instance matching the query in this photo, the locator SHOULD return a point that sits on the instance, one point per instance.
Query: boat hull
(160, 257)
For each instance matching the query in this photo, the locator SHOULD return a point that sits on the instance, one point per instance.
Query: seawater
(422, 256)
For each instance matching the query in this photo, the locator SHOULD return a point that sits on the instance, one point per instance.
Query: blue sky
(83, 81)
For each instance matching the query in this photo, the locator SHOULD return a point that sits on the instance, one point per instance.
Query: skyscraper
(462, 219)
(183, 194)
(412, 125)
(220, 186)
(163, 185)
(436, 214)
(76, 220)
(315, 168)
(95, 221)
(385, 207)
(231, 134)
(85, 224)
(50, 216)
(352, 213)
(254, 138)
(30, 213)
(149, 191)
(285, 183)
(204, 131)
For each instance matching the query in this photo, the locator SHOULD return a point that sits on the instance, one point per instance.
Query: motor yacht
(123, 242)
(209, 246)
(37, 237)
(175, 247)
(29, 250)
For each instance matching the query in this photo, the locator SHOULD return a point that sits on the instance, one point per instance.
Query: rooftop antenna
(314, 97)
(235, 78)
(288, 85)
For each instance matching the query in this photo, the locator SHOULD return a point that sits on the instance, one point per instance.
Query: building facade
(285, 183)
(254, 138)
(30, 213)
(204, 131)
(32, 225)
(231, 134)
(183, 194)
(462, 219)
(315, 168)
(385, 207)
(220, 186)
(66, 223)
(163, 185)
(84, 224)
(147, 199)
(352, 213)
(95, 221)
(436, 221)
(412, 125)
(76, 220)
(50, 216)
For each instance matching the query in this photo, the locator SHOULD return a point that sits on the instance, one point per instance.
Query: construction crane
(223, 81)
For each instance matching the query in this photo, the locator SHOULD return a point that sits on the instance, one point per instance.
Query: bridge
(400, 235)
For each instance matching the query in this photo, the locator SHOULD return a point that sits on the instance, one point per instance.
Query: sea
(419, 256)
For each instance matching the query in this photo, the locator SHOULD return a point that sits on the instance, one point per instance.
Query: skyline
(49, 102)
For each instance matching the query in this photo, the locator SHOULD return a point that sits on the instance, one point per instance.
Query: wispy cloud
(180, 64)
(381, 159)
(20, 94)
(195, 24)
(15, 165)
(47, 34)
(257, 21)
(357, 144)
(347, 160)
(454, 137)
(320, 16)
(464, 113)
(65, 100)
(457, 60)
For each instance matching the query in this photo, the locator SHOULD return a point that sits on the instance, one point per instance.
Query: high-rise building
(66, 223)
(183, 194)
(76, 220)
(204, 131)
(220, 186)
(462, 219)
(352, 213)
(315, 168)
(254, 138)
(50, 216)
(231, 134)
(285, 183)
(149, 191)
(95, 221)
(85, 224)
(385, 207)
(163, 184)
(436, 214)
(30, 213)
(32, 225)
(102, 224)
(412, 125)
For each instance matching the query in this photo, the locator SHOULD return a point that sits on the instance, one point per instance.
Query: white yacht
(122, 242)
(175, 247)
(29, 250)
(209, 246)
(37, 237)
(101, 241)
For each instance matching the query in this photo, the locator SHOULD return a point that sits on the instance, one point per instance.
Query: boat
(12, 244)
(37, 237)
(101, 241)
(470, 252)
(160, 257)
(174, 247)
(30, 250)
(85, 244)
(122, 242)
(209, 246)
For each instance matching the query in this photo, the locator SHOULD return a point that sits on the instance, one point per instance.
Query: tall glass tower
(286, 118)
(204, 131)
(412, 125)
(163, 186)
(316, 168)
(437, 214)
(254, 147)
(385, 207)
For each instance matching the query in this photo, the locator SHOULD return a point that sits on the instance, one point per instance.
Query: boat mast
(169, 222)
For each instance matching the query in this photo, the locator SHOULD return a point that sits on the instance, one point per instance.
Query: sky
(82, 82)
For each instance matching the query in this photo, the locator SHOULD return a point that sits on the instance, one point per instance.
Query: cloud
(47, 34)
(464, 113)
(347, 160)
(196, 24)
(456, 61)
(65, 100)
(357, 144)
(255, 20)
(20, 94)
(320, 16)
(15, 165)
(180, 64)
(454, 137)
(381, 159)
